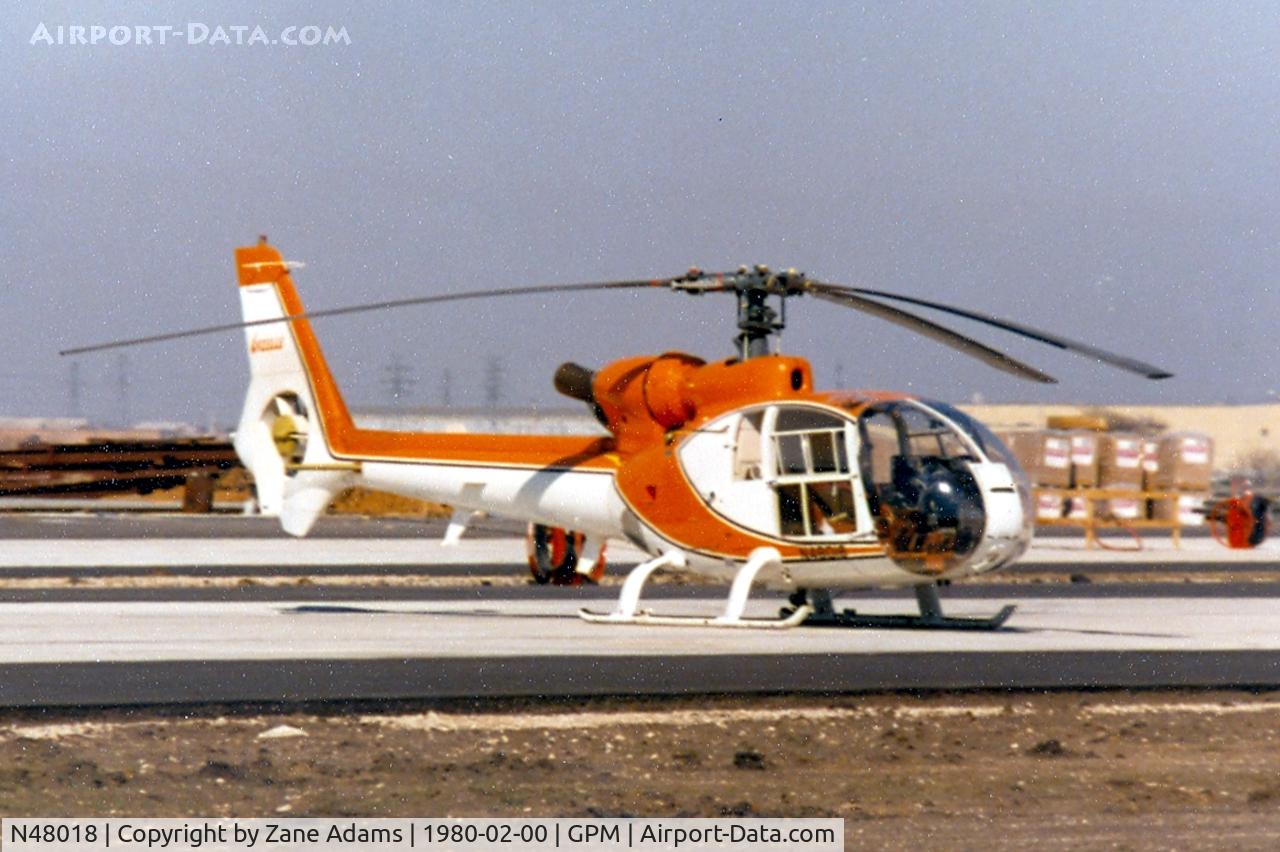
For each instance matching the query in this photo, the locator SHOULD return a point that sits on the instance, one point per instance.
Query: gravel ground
(972, 771)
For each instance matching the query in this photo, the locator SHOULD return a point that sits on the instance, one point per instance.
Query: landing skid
(628, 611)
(930, 617)
(808, 607)
(649, 618)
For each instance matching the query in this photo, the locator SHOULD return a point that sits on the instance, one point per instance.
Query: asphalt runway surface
(596, 597)
(307, 650)
(102, 525)
(114, 545)
(328, 629)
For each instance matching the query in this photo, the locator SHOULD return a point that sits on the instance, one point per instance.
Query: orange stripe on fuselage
(262, 264)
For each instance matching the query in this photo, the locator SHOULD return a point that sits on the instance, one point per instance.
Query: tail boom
(297, 436)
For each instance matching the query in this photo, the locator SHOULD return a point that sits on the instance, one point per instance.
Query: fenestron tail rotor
(757, 320)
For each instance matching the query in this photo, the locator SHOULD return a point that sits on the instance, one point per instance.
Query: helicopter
(739, 470)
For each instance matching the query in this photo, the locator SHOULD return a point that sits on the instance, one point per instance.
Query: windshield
(916, 464)
(996, 451)
(991, 446)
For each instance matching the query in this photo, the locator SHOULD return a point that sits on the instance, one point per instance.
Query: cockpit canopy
(897, 473)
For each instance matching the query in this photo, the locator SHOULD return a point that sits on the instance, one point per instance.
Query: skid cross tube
(931, 616)
(628, 611)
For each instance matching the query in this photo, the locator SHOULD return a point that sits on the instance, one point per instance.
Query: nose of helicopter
(1007, 533)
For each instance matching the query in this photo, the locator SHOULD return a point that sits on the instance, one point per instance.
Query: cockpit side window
(832, 510)
(791, 453)
(814, 443)
(748, 455)
(804, 420)
(880, 444)
(929, 436)
(817, 508)
(811, 464)
(779, 470)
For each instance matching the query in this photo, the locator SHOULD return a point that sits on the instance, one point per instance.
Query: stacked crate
(1150, 462)
(1082, 457)
(1045, 456)
(1085, 464)
(1182, 462)
(1120, 469)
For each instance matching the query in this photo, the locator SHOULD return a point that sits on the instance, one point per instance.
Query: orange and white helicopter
(737, 470)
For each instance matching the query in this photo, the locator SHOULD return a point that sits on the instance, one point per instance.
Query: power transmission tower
(398, 379)
(446, 388)
(493, 375)
(122, 388)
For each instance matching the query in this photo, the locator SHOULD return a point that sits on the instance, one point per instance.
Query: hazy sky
(1103, 169)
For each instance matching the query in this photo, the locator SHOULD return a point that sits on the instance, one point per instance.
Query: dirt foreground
(987, 770)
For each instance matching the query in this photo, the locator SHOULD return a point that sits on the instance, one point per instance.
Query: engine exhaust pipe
(574, 381)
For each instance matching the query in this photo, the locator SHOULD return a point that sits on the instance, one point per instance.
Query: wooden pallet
(1095, 520)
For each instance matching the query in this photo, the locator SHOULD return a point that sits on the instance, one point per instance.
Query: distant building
(512, 420)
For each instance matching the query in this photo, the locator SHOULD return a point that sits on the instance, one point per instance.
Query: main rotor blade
(1124, 362)
(945, 336)
(374, 306)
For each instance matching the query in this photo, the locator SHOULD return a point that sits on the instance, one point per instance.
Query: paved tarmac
(133, 652)
(505, 627)
(63, 645)
(84, 545)
(125, 524)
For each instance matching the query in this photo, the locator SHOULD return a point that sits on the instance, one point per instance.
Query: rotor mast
(757, 322)
(757, 319)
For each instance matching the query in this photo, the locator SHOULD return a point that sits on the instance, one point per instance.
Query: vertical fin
(292, 409)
